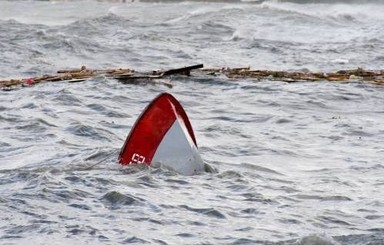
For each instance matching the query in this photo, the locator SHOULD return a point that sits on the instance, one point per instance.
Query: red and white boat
(163, 135)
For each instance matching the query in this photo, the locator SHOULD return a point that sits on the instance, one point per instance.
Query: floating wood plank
(158, 74)
(184, 70)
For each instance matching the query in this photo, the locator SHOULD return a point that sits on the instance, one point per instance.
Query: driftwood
(78, 75)
(184, 70)
(358, 74)
(158, 74)
(155, 75)
(126, 75)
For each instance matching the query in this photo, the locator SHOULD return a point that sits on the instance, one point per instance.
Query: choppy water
(295, 163)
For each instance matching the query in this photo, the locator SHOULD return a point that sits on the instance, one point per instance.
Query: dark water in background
(296, 163)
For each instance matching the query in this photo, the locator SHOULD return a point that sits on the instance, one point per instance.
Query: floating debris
(126, 75)
(358, 74)
(75, 75)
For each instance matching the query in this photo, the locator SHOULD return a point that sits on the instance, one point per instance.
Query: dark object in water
(126, 75)
(163, 135)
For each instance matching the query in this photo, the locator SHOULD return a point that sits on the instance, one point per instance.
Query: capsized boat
(163, 135)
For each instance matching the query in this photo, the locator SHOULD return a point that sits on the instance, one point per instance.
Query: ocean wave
(337, 11)
(330, 1)
(289, 163)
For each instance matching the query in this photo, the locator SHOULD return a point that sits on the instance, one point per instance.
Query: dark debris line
(127, 75)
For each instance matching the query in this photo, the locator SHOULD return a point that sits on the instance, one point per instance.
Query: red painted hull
(162, 134)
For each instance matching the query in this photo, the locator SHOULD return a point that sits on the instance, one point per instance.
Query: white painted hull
(178, 152)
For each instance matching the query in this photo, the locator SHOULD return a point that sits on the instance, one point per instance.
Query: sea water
(293, 163)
